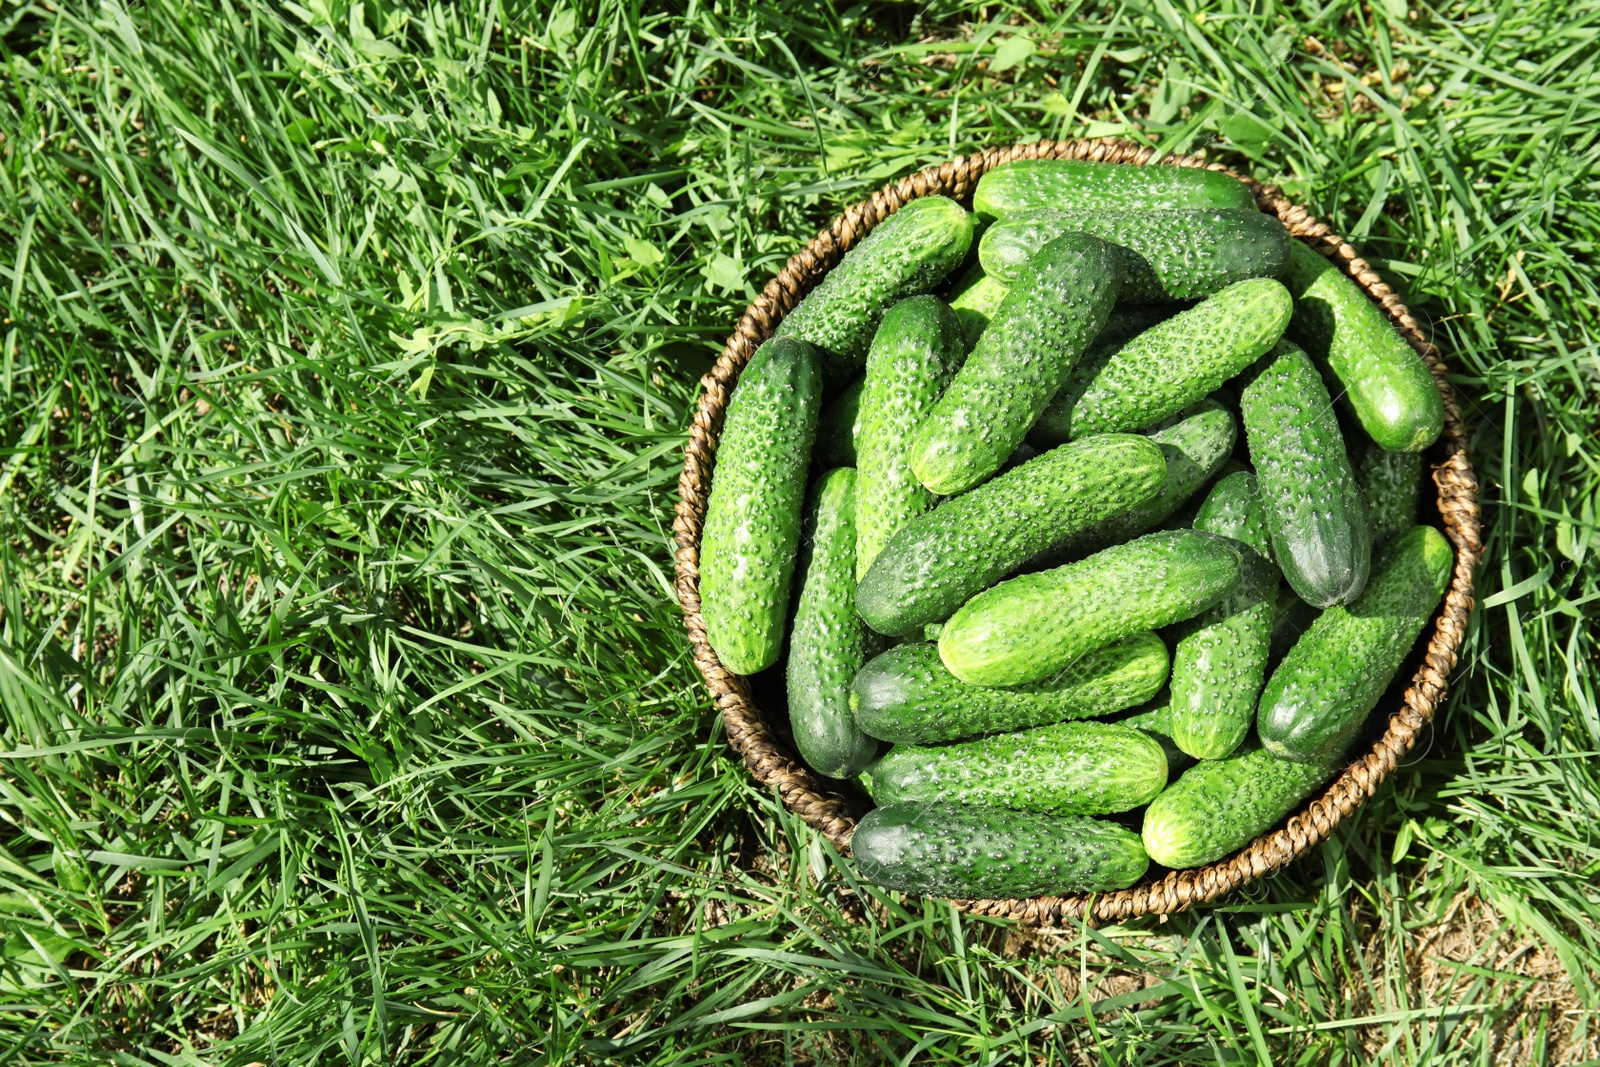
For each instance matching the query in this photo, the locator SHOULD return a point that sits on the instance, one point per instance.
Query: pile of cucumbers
(1029, 552)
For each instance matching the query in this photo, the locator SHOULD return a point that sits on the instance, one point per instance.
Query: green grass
(345, 712)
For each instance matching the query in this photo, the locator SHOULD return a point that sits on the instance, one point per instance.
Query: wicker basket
(833, 813)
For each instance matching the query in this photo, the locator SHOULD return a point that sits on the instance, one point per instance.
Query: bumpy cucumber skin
(907, 696)
(829, 642)
(1125, 322)
(1033, 625)
(1071, 768)
(1040, 330)
(1218, 806)
(1220, 664)
(972, 853)
(1175, 363)
(1391, 487)
(836, 431)
(907, 254)
(752, 529)
(1165, 255)
(1154, 720)
(1386, 385)
(975, 301)
(1319, 523)
(1196, 442)
(936, 562)
(1234, 508)
(1319, 697)
(1069, 184)
(917, 349)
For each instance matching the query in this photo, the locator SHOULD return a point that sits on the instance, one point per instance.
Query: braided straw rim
(832, 813)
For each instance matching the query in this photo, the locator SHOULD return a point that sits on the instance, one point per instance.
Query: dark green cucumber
(906, 254)
(907, 696)
(1165, 255)
(836, 432)
(1040, 330)
(1219, 665)
(1174, 363)
(1070, 768)
(1391, 487)
(917, 349)
(1319, 523)
(939, 560)
(1154, 720)
(1195, 443)
(970, 853)
(1071, 184)
(1219, 806)
(975, 301)
(829, 642)
(1385, 383)
(1125, 322)
(1292, 618)
(752, 530)
(1319, 697)
(1033, 625)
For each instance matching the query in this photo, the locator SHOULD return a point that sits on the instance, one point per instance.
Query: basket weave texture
(831, 812)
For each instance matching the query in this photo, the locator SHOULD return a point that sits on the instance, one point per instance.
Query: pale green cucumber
(1218, 806)
(1384, 382)
(1039, 331)
(936, 562)
(975, 301)
(1069, 768)
(917, 349)
(752, 529)
(1174, 363)
(1125, 322)
(906, 254)
(1220, 662)
(1071, 184)
(1035, 624)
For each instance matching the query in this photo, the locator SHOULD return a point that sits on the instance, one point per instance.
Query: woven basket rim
(832, 812)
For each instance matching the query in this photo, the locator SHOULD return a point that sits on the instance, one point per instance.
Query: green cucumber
(1319, 697)
(1196, 443)
(1385, 383)
(1154, 720)
(829, 642)
(1391, 487)
(1220, 663)
(936, 562)
(752, 528)
(1292, 618)
(1174, 363)
(836, 431)
(1033, 625)
(1165, 255)
(1070, 768)
(975, 301)
(1125, 322)
(906, 254)
(1219, 806)
(1040, 330)
(906, 695)
(917, 349)
(1071, 184)
(970, 853)
(1318, 521)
